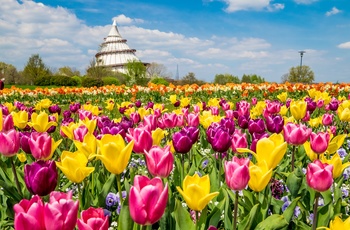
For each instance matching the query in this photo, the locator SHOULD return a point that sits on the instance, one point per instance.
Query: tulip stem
(235, 211)
(197, 219)
(80, 197)
(219, 175)
(314, 220)
(183, 165)
(293, 150)
(16, 177)
(120, 189)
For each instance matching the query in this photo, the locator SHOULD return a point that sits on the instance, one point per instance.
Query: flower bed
(238, 156)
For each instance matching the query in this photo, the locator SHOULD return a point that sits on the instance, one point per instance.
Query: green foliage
(136, 73)
(56, 80)
(9, 72)
(35, 68)
(68, 71)
(78, 79)
(91, 82)
(223, 79)
(252, 78)
(110, 81)
(160, 81)
(298, 74)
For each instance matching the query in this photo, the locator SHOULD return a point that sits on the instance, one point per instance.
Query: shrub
(91, 82)
(78, 79)
(43, 80)
(110, 81)
(160, 81)
(65, 81)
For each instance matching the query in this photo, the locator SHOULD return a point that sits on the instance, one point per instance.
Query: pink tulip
(196, 109)
(239, 140)
(40, 145)
(169, 120)
(319, 142)
(29, 214)
(84, 114)
(142, 139)
(320, 103)
(254, 100)
(192, 119)
(273, 107)
(327, 119)
(93, 219)
(214, 110)
(61, 213)
(135, 117)
(80, 132)
(229, 114)
(9, 143)
(295, 134)
(7, 123)
(319, 176)
(148, 199)
(180, 120)
(151, 121)
(237, 173)
(225, 106)
(159, 161)
(306, 117)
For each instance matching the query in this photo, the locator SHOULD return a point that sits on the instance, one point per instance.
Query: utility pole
(301, 62)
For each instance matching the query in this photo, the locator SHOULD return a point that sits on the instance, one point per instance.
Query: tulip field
(235, 156)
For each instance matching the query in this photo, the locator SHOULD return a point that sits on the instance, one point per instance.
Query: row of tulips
(211, 164)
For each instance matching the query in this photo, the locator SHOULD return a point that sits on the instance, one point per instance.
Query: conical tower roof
(114, 51)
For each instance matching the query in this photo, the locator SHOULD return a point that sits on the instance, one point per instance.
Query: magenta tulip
(237, 173)
(151, 121)
(40, 145)
(80, 132)
(142, 139)
(147, 200)
(93, 219)
(319, 176)
(239, 140)
(29, 214)
(9, 143)
(62, 212)
(295, 134)
(168, 120)
(40, 177)
(192, 119)
(7, 123)
(319, 142)
(159, 161)
(327, 119)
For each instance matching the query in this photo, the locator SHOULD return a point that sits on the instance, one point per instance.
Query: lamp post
(301, 61)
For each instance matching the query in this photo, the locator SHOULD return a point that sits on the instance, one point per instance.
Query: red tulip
(29, 214)
(237, 173)
(319, 176)
(148, 199)
(319, 142)
(93, 219)
(159, 161)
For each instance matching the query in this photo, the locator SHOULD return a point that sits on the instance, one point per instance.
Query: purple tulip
(138, 103)
(274, 123)
(243, 122)
(228, 124)
(219, 138)
(40, 177)
(256, 126)
(74, 107)
(182, 142)
(55, 109)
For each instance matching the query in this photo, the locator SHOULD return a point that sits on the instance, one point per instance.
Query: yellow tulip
(1, 120)
(309, 152)
(40, 122)
(45, 103)
(185, 101)
(315, 122)
(196, 191)
(73, 166)
(283, 96)
(89, 124)
(344, 114)
(88, 146)
(22, 157)
(68, 129)
(114, 154)
(158, 135)
(271, 150)
(172, 99)
(54, 145)
(92, 108)
(143, 112)
(20, 119)
(288, 119)
(336, 143)
(338, 223)
(284, 110)
(10, 106)
(298, 109)
(260, 176)
(338, 166)
(213, 102)
(109, 104)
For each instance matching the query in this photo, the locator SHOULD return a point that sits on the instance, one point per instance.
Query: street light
(301, 61)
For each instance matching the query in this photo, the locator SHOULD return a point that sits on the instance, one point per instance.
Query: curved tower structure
(114, 52)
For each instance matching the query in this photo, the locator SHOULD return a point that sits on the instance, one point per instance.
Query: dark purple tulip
(192, 132)
(55, 109)
(311, 105)
(149, 105)
(126, 123)
(333, 105)
(40, 177)
(122, 110)
(243, 122)
(19, 105)
(24, 137)
(274, 123)
(218, 137)
(67, 120)
(74, 107)
(53, 127)
(103, 121)
(5, 110)
(288, 102)
(182, 142)
(177, 103)
(256, 126)
(228, 124)
(138, 103)
(67, 114)
(256, 138)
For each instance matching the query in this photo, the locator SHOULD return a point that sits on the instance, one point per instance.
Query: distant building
(114, 52)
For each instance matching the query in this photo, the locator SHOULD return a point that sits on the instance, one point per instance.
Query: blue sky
(206, 37)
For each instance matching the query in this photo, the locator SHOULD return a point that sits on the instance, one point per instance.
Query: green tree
(35, 68)
(223, 79)
(136, 73)
(246, 78)
(97, 71)
(302, 74)
(155, 70)
(68, 71)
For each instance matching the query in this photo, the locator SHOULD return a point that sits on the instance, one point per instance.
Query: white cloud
(237, 5)
(345, 45)
(306, 2)
(333, 11)
(123, 20)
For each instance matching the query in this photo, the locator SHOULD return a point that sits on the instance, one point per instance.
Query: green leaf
(272, 222)
(289, 212)
(324, 215)
(105, 190)
(294, 182)
(182, 218)
(247, 222)
(125, 221)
